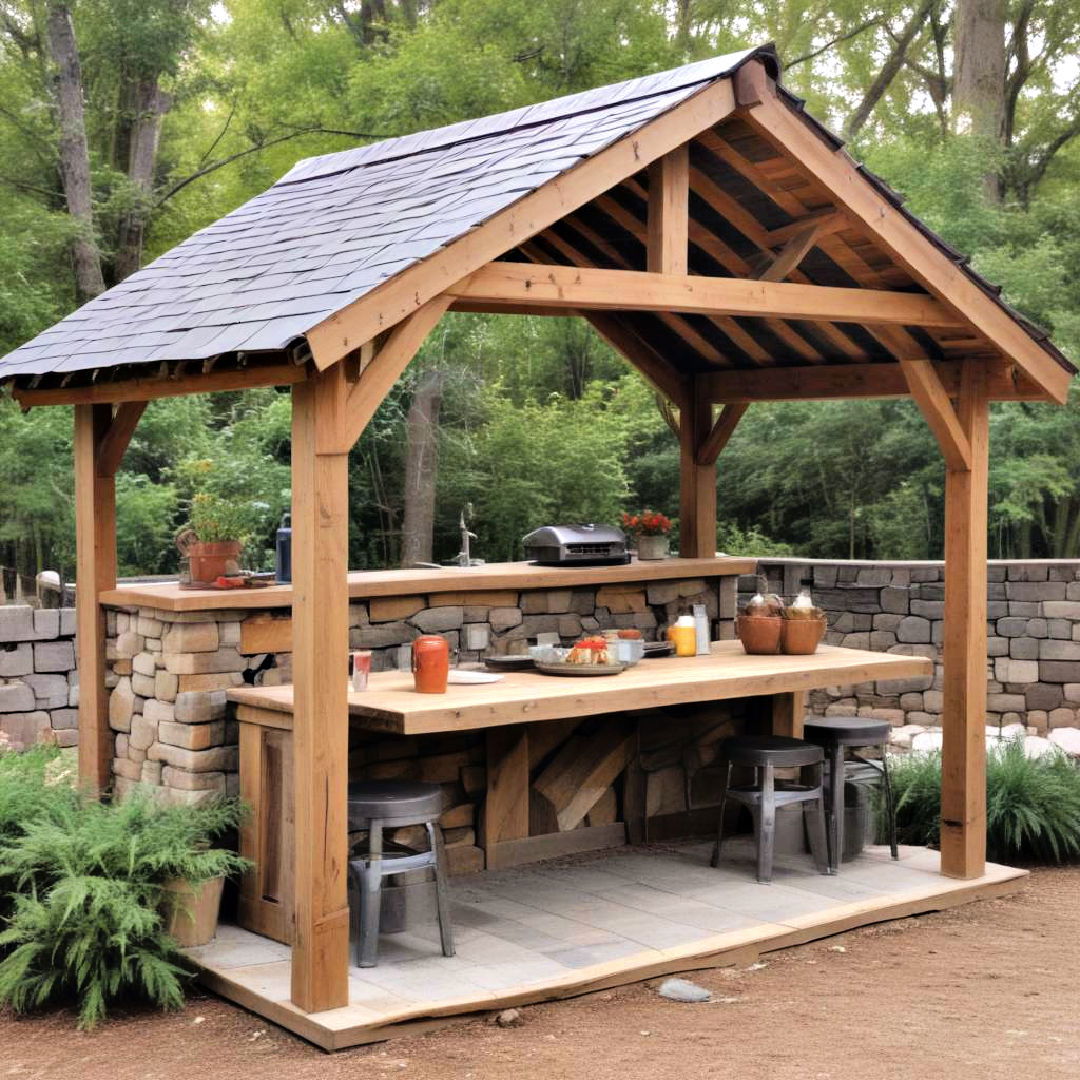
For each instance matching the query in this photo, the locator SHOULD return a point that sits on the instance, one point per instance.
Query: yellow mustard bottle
(683, 632)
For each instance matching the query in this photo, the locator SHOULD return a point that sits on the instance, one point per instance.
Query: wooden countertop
(391, 705)
(489, 577)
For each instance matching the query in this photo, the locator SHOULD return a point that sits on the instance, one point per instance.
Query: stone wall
(1033, 645)
(169, 672)
(39, 686)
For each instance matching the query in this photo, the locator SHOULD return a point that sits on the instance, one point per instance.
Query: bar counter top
(449, 579)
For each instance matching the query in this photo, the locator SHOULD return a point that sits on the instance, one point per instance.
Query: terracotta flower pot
(760, 634)
(801, 637)
(211, 561)
(191, 911)
(652, 547)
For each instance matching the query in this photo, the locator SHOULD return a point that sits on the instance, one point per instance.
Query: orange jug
(683, 634)
(431, 663)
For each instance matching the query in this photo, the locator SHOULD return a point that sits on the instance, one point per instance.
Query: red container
(431, 663)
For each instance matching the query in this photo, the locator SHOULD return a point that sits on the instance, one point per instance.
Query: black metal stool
(835, 735)
(765, 754)
(392, 804)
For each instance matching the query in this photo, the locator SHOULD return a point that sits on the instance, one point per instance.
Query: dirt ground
(984, 991)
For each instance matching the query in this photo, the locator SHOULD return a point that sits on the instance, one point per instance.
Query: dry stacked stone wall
(1033, 627)
(39, 686)
(169, 674)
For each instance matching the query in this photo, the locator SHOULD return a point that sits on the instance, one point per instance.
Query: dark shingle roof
(336, 226)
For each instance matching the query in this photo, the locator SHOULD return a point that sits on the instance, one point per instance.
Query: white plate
(457, 676)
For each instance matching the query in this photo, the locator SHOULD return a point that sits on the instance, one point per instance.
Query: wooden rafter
(722, 430)
(933, 401)
(607, 290)
(835, 171)
(827, 381)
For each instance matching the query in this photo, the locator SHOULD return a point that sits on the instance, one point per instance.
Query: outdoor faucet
(464, 556)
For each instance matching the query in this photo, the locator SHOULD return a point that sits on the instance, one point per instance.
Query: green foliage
(81, 887)
(1032, 804)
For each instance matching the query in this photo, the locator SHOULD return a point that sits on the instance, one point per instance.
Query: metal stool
(834, 734)
(764, 754)
(392, 804)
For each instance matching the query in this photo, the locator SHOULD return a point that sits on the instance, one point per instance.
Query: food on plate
(590, 650)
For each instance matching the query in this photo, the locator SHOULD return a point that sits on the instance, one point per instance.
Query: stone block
(439, 620)
(165, 685)
(662, 592)
(47, 623)
(149, 626)
(874, 575)
(1027, 571)
(16, 622)
(504, 618)
(998, 646)
(16, 659)
(224, 680)
(121, 705)
(622, 599)
(1038, 719)
(16, 697)
(1061, 718)
(1037, 628)
(1062, 609)
(1055, 649)
(911, 702)
(1062, 629)
(192, 736)
(1059, 671)
(895, 601)
(1006, 702)
(128, 769)
(50, 691)
(383, 635)
(856, 641)
(914, 629)
(201, 663)
(1071, 691)
(546, 602)
(894, 687)
(1027, 609)
(25, 729)
(929, 609)
(933, 701)
(126, 646)
(54, 656)
(393, 608)
(1042, 696)
(1022, 648)
(198, 707)
(1012, 627)
(151, 773)
(1035, 590)
(143, 685)
(569, 626)
(159, 710)
(887, 622)
(178, 779)
(143, 733)
(67, 622)
(216, 759)
(64, 719)
(66, 737)
(144, 663)
(882, 640)
(200, 637)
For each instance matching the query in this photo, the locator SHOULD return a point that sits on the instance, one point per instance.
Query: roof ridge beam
(632, 290)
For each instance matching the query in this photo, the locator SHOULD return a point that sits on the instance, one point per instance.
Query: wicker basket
(760, 634)
(801, 637)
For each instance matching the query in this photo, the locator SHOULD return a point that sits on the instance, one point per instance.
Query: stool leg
(767, 825)
(814, 818)
(372, 901)
(835, 813)
(442, 898)
(715, 860)
(356, 906)
(890, 806)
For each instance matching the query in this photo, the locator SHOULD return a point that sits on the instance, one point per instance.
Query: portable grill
(576, 545)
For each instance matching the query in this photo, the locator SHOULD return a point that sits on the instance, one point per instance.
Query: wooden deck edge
(740, 947)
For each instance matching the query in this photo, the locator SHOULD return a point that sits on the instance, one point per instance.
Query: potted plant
(215, 535)
(650, 531)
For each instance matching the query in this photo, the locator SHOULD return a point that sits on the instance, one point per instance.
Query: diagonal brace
(116, 437)
(930, 395)
(722, 430)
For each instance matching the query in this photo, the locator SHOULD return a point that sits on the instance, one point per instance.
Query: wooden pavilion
(714, 234)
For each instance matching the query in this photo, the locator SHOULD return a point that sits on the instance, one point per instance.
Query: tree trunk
(74, 156)
(979, 78)
(150, 105)
(421, 469)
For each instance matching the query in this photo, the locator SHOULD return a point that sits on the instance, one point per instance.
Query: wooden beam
(825, 222)
(933, 401)
(697, 483)
(320, 956)
(722, 430)
(963, 765)
(118, 435)
(826, 381)
(669, 212)
(150, 389)
(95, 571)
(789, 714)
(792, 253)
(391, 360)
(399, 296)
(505, 813)
(628, 290)
(812, 156)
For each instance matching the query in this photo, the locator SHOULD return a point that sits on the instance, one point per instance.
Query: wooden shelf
(489, 577)
(391, 705)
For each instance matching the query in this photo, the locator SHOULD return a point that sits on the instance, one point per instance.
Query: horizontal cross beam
(629, 290)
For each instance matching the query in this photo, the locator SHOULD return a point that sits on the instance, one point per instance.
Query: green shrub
(84, 888)
(1032, 804)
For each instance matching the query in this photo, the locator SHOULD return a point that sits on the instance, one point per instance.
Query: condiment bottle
(683, 633)
(431, 663)
(701, 629)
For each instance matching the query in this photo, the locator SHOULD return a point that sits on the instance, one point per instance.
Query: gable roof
(338, 230)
